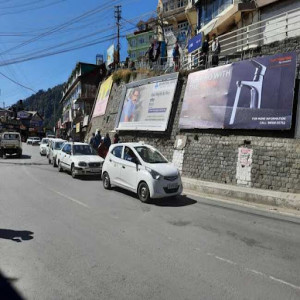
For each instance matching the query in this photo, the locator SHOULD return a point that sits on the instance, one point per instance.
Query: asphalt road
(65, 238)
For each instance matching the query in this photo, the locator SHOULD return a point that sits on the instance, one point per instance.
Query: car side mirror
(68, 152)
(135, 160)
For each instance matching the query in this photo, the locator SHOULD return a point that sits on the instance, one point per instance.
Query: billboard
(250, 94)
(102, 97)
(147, 104)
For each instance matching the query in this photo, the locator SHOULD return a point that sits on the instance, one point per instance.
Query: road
(65, 238)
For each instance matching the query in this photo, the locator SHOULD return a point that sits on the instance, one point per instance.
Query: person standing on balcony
(215, 49)
(176, 56)
(204, 51)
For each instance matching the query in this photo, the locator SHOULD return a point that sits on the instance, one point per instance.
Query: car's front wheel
(73, 172)
(106, 181)
(60, 169)
(144, 192)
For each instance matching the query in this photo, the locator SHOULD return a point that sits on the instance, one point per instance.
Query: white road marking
(57, 192)
(253, 271)
(226, 260)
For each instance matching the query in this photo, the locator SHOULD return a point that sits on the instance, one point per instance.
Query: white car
(35, 141)
(55, 146)
(80, 159)
(43, 146)
(142, 169)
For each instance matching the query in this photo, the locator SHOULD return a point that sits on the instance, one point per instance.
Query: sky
(36, 37)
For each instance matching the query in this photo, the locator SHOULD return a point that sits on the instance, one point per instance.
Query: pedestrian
(116, 139)
(107, 141)
(215, 49)
(97, 139)
(93, 141)
(204, 51)
(176, 56)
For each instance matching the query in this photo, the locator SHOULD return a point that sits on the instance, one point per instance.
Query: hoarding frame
(142, 82)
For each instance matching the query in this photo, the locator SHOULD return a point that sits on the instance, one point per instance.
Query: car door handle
(110, 160)
(123, 167)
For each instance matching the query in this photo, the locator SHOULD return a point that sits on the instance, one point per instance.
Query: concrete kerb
(268, 197)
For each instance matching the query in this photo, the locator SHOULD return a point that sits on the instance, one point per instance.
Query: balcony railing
(238, 42)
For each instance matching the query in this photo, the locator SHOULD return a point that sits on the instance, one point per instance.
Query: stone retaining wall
(213, 155)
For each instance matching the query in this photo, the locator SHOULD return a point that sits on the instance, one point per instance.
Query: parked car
(35, 141)
(10, 143)
(55, 146)
(142, 169)
(80, 159)
(29, 140)
(43, 146)
(48, 147)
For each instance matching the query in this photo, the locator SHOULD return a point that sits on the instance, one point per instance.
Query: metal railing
(238, 42)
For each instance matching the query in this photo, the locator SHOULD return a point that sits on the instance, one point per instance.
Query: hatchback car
(43, 146)
(80, 159)
(142, 169)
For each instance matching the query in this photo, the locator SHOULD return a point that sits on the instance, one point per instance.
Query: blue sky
(30, 28)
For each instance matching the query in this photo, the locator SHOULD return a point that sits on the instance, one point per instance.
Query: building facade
(139, 41)
(78, 98)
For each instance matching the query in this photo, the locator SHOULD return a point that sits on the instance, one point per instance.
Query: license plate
(95, 170)
(172, 186)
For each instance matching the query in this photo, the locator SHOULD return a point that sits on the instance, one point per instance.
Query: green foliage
(46, 103)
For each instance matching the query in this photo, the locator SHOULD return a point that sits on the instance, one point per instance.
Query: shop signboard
(147, 104)
(102, 97)
(195, 43)
(250, 94)
(23, 115)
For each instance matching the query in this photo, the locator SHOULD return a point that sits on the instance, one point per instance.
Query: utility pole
(118, 18)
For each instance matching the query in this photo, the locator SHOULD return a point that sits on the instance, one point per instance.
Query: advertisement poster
(250, 94)
(102, 97)
(110, 55)
(148, 106)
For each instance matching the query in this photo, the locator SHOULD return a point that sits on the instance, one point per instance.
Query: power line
(57, 28)
(17, 83)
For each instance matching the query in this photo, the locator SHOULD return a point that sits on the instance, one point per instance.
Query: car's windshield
(83, 150)
(36, 138)
(11, 136)
(58, 145)
(44, 141)
(150, 155)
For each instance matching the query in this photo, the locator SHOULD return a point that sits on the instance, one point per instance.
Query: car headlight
(82, 164)
(154, 174)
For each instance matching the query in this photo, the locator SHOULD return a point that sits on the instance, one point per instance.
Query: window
(67, 148)
(180, 3)
(150, 155)
(141, 40)
(210, 9)
(83, 150)
(129, 155)
(117, 151)
(133, 43)
(183, 25)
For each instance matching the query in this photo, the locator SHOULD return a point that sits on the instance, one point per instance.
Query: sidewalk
(260, 196)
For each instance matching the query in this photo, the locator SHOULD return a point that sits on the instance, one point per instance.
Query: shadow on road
(16, 235)
(24, 156)
(7, 292)
(178, 201)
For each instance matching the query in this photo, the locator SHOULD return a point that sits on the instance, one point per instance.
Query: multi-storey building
(78, 97)
(139, 41)
(173, 23)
